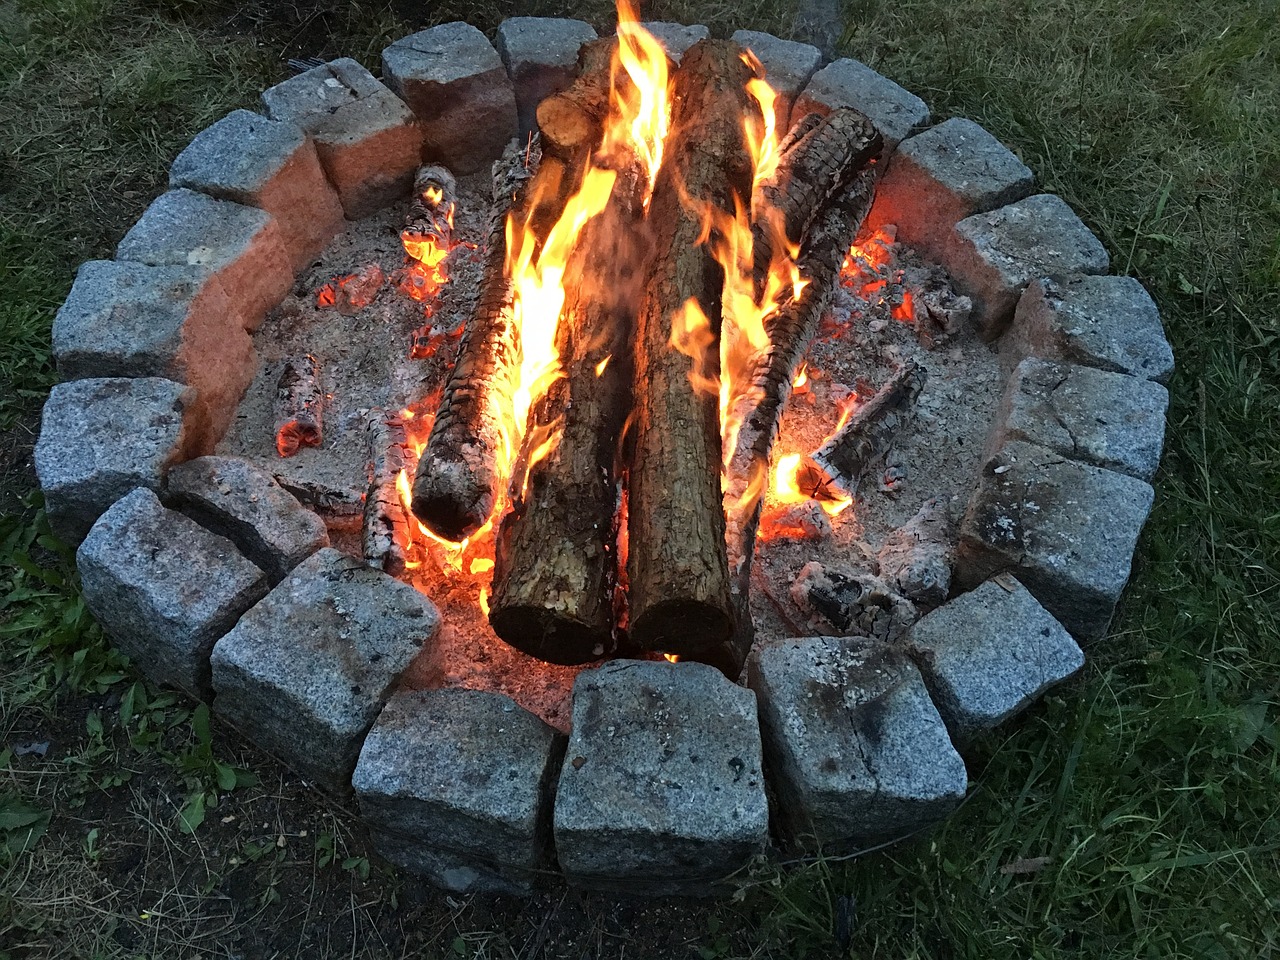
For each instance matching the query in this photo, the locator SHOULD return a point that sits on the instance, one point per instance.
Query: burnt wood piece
(430, 216)
(818, 158)
(678, 571)
(572, 121)
(455, 485)
(384, 536)
(844, 602)
(760, 411)
(844, 458)
(555, 558)
(299, 406)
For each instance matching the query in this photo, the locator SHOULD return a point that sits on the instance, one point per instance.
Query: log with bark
(555, 561)
(840, 463)
(760, 411)
(677, 566)
(299, 405)
(455, 485)
(385, 531)
(819, 157)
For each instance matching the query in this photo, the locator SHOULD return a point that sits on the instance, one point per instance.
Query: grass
(1149, 783)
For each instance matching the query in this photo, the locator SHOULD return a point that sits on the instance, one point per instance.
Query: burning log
(678, 571)
(818, 157)
(428, 226)
(299, 406)
(572, 121)
(455, 486)
(844, 458)
(385, 531)
(555, 562)
(760, 410)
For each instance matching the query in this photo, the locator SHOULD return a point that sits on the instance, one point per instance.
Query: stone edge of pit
(367, 149)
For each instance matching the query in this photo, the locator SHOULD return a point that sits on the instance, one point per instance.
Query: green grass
(1150, 782)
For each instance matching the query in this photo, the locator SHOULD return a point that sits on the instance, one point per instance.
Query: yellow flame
(691, 335)
(600, 367)
(481, 565)
(786, 488)
(643, 107)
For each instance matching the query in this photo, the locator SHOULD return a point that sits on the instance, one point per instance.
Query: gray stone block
(164, 588)
(788, 66)
(676, 38)
(541, 57)
(993, 256)
(1066, 530)
(101, 438)
(939, 177)
(661, 791)
(895, 112)
(857, 753)
(234, 498)
(367, 138)
(455, 83)
(240, 245)
(132, 320)
(990, 653)
(1107, 419)
(456, 785)
(1106, 322)
(270, 164)
(305, 673)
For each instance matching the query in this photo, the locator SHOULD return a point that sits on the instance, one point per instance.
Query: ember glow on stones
(691, 356)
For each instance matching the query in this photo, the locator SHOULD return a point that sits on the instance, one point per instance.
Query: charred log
(385, 532)
(819, 157)
(555, 560)
(299, 406)
(677, 566)
(850, 603)
(760, 411)
(428, 226)
(455, 486)
(841, 462)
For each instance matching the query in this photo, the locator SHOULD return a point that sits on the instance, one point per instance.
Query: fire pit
(690, 456)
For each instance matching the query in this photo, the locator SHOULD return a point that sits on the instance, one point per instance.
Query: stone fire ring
(215, 580)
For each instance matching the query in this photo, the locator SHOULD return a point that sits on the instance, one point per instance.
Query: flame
(483, 598)
(671, 657)
(786, 488)
(800, 383)
(480, 565)
(692, 336)
(762, 134)
(600, 367)
(641, 109)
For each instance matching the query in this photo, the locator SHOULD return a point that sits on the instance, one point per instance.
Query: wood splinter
(385, 530)
(841, 462)
(299, 406)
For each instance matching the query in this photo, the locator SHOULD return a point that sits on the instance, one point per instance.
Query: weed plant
(1132, 814)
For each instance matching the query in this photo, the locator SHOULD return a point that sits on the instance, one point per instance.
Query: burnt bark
(760, 411)
(384, 535)
(677, 566)
(819, 157)
(430, 216)
(455, 485)
(555, 560)
(299, 406)
(844, 458)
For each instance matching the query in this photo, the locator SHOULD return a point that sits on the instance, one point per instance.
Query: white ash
(936, 457)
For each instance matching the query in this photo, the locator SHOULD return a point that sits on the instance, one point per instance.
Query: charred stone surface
(855, 748)
(661, 792)
(1066, 530)
(456, 785)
